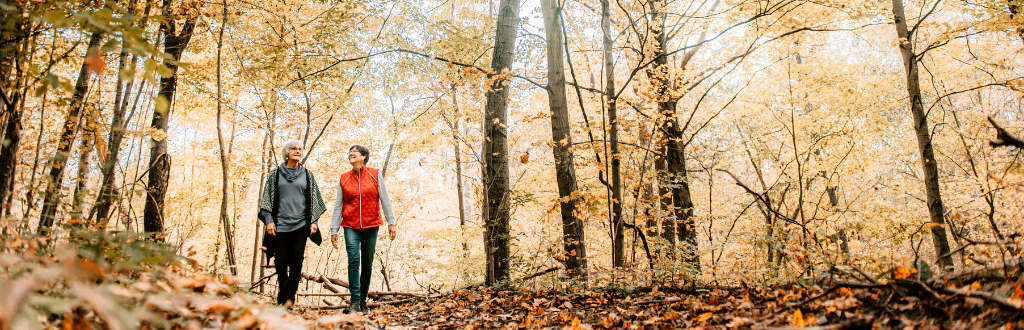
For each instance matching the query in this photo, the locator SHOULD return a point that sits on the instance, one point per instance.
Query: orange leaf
(975, 286)
(672, 316)
(798, 319)
(1018, 292)
(901, 273)
(95, 63)
(704, 317)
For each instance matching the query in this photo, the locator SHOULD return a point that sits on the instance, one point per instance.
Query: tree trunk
(88, 138)
(458, 167)
(228, 237)
(52, 196)
(618, 226)
(1014, 7)
(15, 30)
(264, 165)
(572, 226)
(675, 178)
(936, 211)
(107, 195)
(495, 144)
(159, 161)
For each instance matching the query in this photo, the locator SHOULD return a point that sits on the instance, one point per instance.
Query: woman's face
(355, 157)
(295, 153)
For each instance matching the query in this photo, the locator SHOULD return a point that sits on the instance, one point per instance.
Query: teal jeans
(360, 245)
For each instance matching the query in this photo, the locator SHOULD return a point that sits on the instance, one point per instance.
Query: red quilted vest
(362, 202)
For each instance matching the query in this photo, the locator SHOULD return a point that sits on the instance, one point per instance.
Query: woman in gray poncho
(290, 207)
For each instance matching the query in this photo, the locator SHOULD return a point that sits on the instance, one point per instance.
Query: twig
(553, 268)
(1004, 138)
(1015, 304)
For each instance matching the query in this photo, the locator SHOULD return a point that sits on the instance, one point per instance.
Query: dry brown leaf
(15, 292)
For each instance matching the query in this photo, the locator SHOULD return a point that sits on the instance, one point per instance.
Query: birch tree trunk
(572, 227)
(936, 211)
(495, 143)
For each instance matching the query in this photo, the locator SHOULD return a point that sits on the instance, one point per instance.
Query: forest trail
(904, 303)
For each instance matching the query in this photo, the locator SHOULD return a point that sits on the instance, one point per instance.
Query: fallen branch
(970, 274)
(1014, 304)
(371, 293)
(553, 268)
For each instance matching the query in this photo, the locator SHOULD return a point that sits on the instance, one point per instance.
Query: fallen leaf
(1018, 292)
(901, 273)
(798, 319)
(704, 317)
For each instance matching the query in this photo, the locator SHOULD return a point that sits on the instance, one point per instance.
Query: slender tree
(14, 33)
(495, 144)
(572, 226)
(225, 221)
(107, 194)
(933, 197)
(159, 160)
(614, 172)
(52, 196)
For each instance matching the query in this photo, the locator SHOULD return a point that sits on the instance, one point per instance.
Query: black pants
(291, 248)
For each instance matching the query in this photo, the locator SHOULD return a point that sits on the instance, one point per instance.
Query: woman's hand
(393, 230)
(334, 240)
(313, 229)
(271, 229)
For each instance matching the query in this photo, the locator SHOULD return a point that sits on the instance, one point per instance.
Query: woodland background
(716, 141)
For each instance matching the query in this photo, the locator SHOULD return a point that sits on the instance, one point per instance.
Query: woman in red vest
(357, 208)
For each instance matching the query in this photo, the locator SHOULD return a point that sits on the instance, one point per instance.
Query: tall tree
(225, 221)
(107, 194)
(936, 211)
(159, 160)
(495, 144)
(675, 182)
(87, 146)
(52, 196)
(14, 33)
(618, 224)
(565, 172)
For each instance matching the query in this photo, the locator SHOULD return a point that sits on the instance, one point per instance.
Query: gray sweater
(291, 208)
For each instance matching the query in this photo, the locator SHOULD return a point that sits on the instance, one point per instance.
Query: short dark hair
(362, 151)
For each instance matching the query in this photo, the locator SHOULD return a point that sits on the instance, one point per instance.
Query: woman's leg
(281, 265)
(295, 257)
(369, 247)
(352, 239)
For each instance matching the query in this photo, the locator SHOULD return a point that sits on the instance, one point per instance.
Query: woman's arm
(385, 202)
(339, 201)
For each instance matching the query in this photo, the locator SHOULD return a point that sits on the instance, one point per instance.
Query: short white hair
(289, 145)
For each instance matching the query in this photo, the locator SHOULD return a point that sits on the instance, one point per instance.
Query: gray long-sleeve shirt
(385, 203)
(291, 210)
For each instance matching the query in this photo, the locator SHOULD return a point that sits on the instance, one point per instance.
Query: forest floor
(900, 302)
(107, 281)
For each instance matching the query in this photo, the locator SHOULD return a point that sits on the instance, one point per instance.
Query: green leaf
(164, 71)
(55, 17)
(162, 105)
